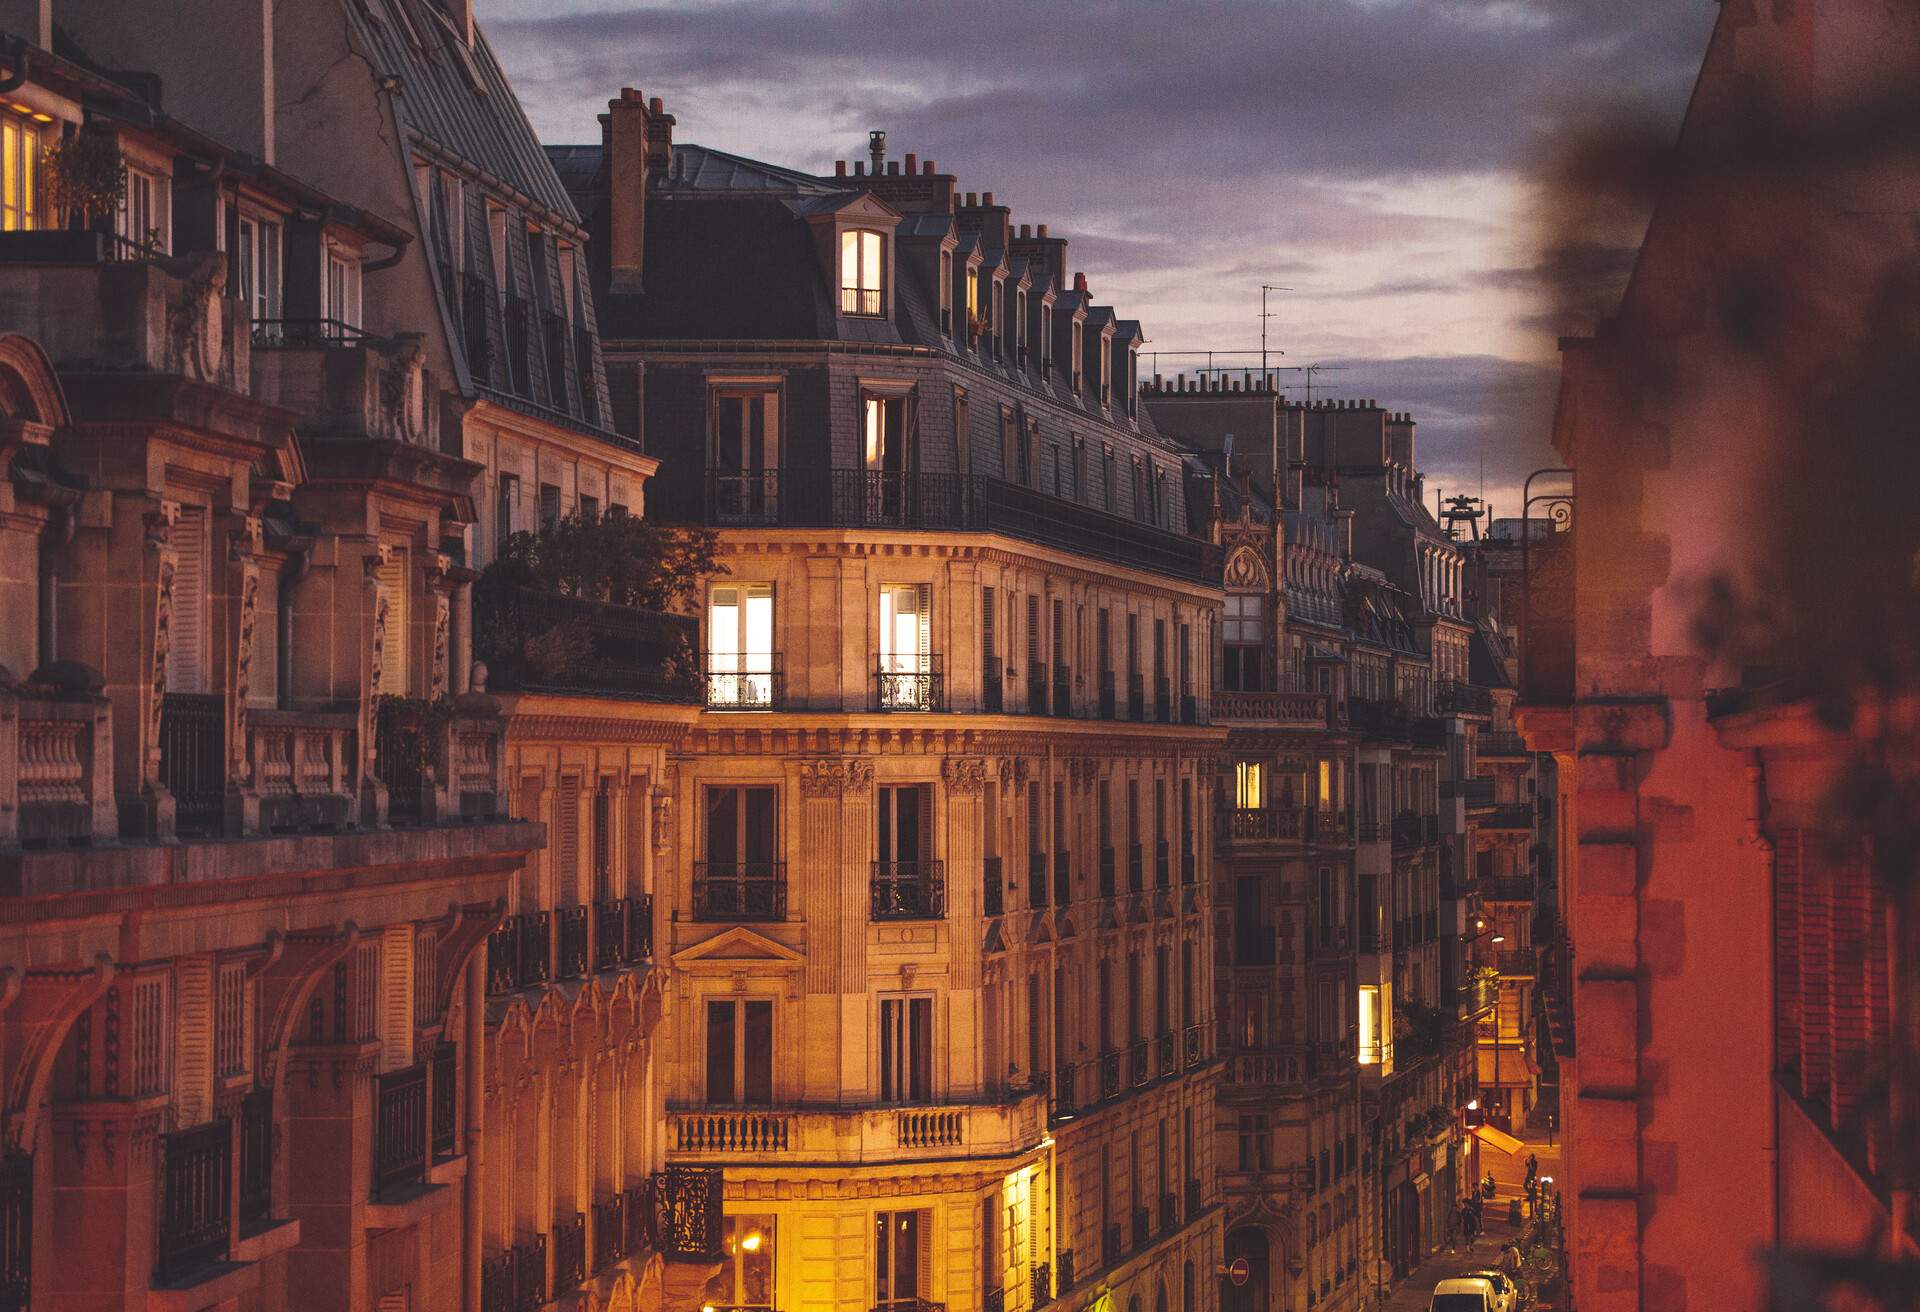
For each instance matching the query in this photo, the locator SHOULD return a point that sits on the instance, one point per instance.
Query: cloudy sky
(1374, 156)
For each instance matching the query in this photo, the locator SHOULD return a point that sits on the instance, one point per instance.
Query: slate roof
(456, 96)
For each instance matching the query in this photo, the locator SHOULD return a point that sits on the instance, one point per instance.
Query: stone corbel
(38, 1008)
(300, 963)
(835, 776)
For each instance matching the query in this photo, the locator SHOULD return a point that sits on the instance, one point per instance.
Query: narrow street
(1509, 1176)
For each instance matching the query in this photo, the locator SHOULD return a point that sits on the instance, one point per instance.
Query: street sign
(1238, 1271)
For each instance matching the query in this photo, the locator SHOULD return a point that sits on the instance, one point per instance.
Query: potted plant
(85, 177)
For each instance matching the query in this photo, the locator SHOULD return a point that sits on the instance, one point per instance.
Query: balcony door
(906, 1050)
(906, 646)
(740, 1053)
(746, 455)
(903, 1260)
(740, 640)
(886, 456)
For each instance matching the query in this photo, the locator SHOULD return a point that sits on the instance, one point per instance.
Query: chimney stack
(877, 148)
(913, 162)
(1080, 284)
(926, 168)
(839, 168)
(659, 137)
(627, 137)
(986, 198)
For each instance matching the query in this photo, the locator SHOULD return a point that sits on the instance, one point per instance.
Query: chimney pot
(986, 198)
(913, 162)
(1043, 230)
(1080, 282)
(968, 202)
(928, 166)
(877, 147)
(839, 168)
(893, 168)
(655, 105)
(859, 168)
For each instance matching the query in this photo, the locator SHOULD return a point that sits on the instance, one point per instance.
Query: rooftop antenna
(1310, 370)
(1458, 511)
(1264, 316)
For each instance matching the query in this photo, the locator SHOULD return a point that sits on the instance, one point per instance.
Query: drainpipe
(1763, 841)
(475, 1080)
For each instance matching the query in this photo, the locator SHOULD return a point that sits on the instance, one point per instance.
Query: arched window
(1187, 1289)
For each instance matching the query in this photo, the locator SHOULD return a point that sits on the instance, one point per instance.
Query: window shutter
(186, 660)
(923, 607)
(365, 987)
(263, 677)
(923, 1263)
(193, 1042)
(566, 848)
(147, 1051)
(394, 645)
(426, 965)
(395, 1004)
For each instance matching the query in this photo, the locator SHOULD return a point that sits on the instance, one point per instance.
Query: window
(906, 646)
(863, 256)
(20, 165)
(1139, 492)
(946, 292)
(740, 661)
(145, 210)
(884, 433)
(187, 634)
(393, 580)
(746, 429)
(589, 507)
(902, 1260)
(343, 293)
(1009, 443)
(231, 1048)
(1253, 1143)
(906, 1050)
(1371, 1039)
(1028, 436)
(1249, 785)
(741, 878)
(506, 497)
(740, 1053)
(601, 838)
(745, 1278)
(1020, 326)
(1243, 628)
(256, 264)
(1079, 467)
(1076, 348)
(549, 506)
(1046, 340)
(1106, 371)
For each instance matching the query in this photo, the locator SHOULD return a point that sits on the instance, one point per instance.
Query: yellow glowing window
(862, 260)
(20, 146)
(1326, 784)
(1369, 1025)
(1249, 785)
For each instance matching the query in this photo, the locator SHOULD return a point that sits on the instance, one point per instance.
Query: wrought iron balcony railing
(519, 953)
(400, 1130)
(909, 890)
(908, 683)
(754, 681)
(195, 1190)
(743, 890)
(993, 887)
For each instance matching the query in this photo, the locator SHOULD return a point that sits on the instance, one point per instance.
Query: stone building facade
(941, 846)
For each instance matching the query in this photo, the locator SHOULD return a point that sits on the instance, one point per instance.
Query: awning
(1514, 1069)
(1500, 1139)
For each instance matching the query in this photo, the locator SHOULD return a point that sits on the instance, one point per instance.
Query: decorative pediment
(732, 946)
(1246, 571)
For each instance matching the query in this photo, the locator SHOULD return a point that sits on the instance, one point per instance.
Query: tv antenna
(1264, 316)
(1310, 370)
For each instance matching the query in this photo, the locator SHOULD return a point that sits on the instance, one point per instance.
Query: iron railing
(571, 959)
(993, 694)
(193, 761)
(1036, 689)
(402, 753)
(609, 1231)
(570, 1252)
(741, 890)
(196, 1185)
(1110, 1082)
(1036, 879)
(293, 333)
(1063, 1276)
(1136, 697)
(1142, 1228)
(515, 1279)
(1162, 865)
(689, 1198)
(400, 1130)
(519, 953)
(1461, 698)
(909, 890)
(1169, 1213)
(1163, 700)
(908, 683)
(993, 888)
(1108, 708)
(1062, 690)
(753, 681)
(1408, 831)
(1139, 1062)
(1136, 868)
(446, 1100)
(623, 931)
(1041, 1279)
(16, 1232)
(256, 1160)
(1193, 1045)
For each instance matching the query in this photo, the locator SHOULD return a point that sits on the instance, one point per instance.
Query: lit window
(862, 259)
(740, 633)
(1249, 785)
(1370, 1037)
(905, 646)
(20, 146)
(745, 1278)
(903, 1259)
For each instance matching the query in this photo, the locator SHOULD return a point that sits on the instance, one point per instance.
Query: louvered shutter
(193, 1042)
(263, 676)
(186, 660)
(923, 605)
(566, 848)
(394, 646)
(396, 997)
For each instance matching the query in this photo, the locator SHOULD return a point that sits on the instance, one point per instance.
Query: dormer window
(1046, 341)
(1106, 371)
(946, 292)
(1020, 326)
(973, 306)
(863, 259)
(1078, 372)
(999, 330)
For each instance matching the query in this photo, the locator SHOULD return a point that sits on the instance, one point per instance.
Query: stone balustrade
(1304, 709)
(56, 764)
(878, 1134)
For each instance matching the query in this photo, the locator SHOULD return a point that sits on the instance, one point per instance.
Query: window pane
(870, 255)
(723, 826)
(720, 1052)
(758, 1056)
(760, 824)
(849, 259)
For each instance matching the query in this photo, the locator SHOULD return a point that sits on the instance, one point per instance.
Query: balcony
(1066, 1090)
(1165, 1054)
(1136, 697)
(519, 953)
(1409, 832)
(876, 1135)
(689, 1199)
(571, 953)
(1142, 1228)
(1062, 690)
(594, 647)
(256, 1161)
(1036, 879)
(1193, 1045)
(1511, 816)
(909, 890)
(1262, 824)
(1269, 1066)
(193, 763)
(1111, 1084)
(609, 1231)
(1500, 744)
(1508, 888)
(1041, 1279)
(1451, 697)
(1163, 701)
(897, 687)
(1298, 710)
(57, 789)
(993, 692)
(1036, 690)
(569, 1252)
(515, 1279)
(1517, 962)
(740, 891)
(437, 767)
(751, 682)
(993, 888)
(400, 1131)
(1064, 1281)
(303, 767)
(196, 1184)
(622, 931)
(1062, 878)
(339, 379)
(1139, 1063)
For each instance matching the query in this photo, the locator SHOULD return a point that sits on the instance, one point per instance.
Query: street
(1509, 1176)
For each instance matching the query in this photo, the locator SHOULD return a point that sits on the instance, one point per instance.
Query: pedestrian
(1513, 1212)
(1533, 1168)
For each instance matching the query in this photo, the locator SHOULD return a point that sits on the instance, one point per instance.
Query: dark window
(906, 1049)
(740, 828)
(740, 1053)
(507, 496)
(901, 1255)
(549, 505)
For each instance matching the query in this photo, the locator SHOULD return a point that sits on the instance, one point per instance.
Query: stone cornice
(562, 717)
(870, 734)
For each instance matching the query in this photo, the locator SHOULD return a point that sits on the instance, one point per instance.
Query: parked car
(1463, 1294)
(1506, 1294)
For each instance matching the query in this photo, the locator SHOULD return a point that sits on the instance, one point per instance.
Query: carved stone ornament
(241, 764)
(162, 641)
(1246, 571)
(964, 775)
(834, 776)
(662, 821)
(1015, 770)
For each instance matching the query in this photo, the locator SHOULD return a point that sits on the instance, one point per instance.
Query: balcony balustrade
(993, 887)
(1066, 1090)
(609, 1231)
(1062, 878)
(193, 763)
(1063, 1279)
(993, 692)
(569, 1252)
(1297, 709)
(519, 953)
(740, 891)
(1500, 744)
(1139, 1062)
(1136, 868)
(1062, 690)
(908, 683)
(1262, 824)
(1477, 792)
(515, 1279)
(1509, 816)
(16, 1231)
(1453, 697)
(1165, 1052)
(752, 681)
(58, 787)
(1193, 1045)
(1268, 1066)
(256, 1161)
(446, 1086)
(303, 768)
(1036, 879)
(571, 959)
(1110, 1074)
(909, 890)
(622, 931)
(865, 1135)
(196, 1185)
(1041, 1282)
(400, 1131)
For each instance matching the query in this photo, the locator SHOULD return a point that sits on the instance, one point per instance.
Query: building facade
(940, 840)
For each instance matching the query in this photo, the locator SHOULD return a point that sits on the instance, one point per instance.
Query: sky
(1378, 158)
